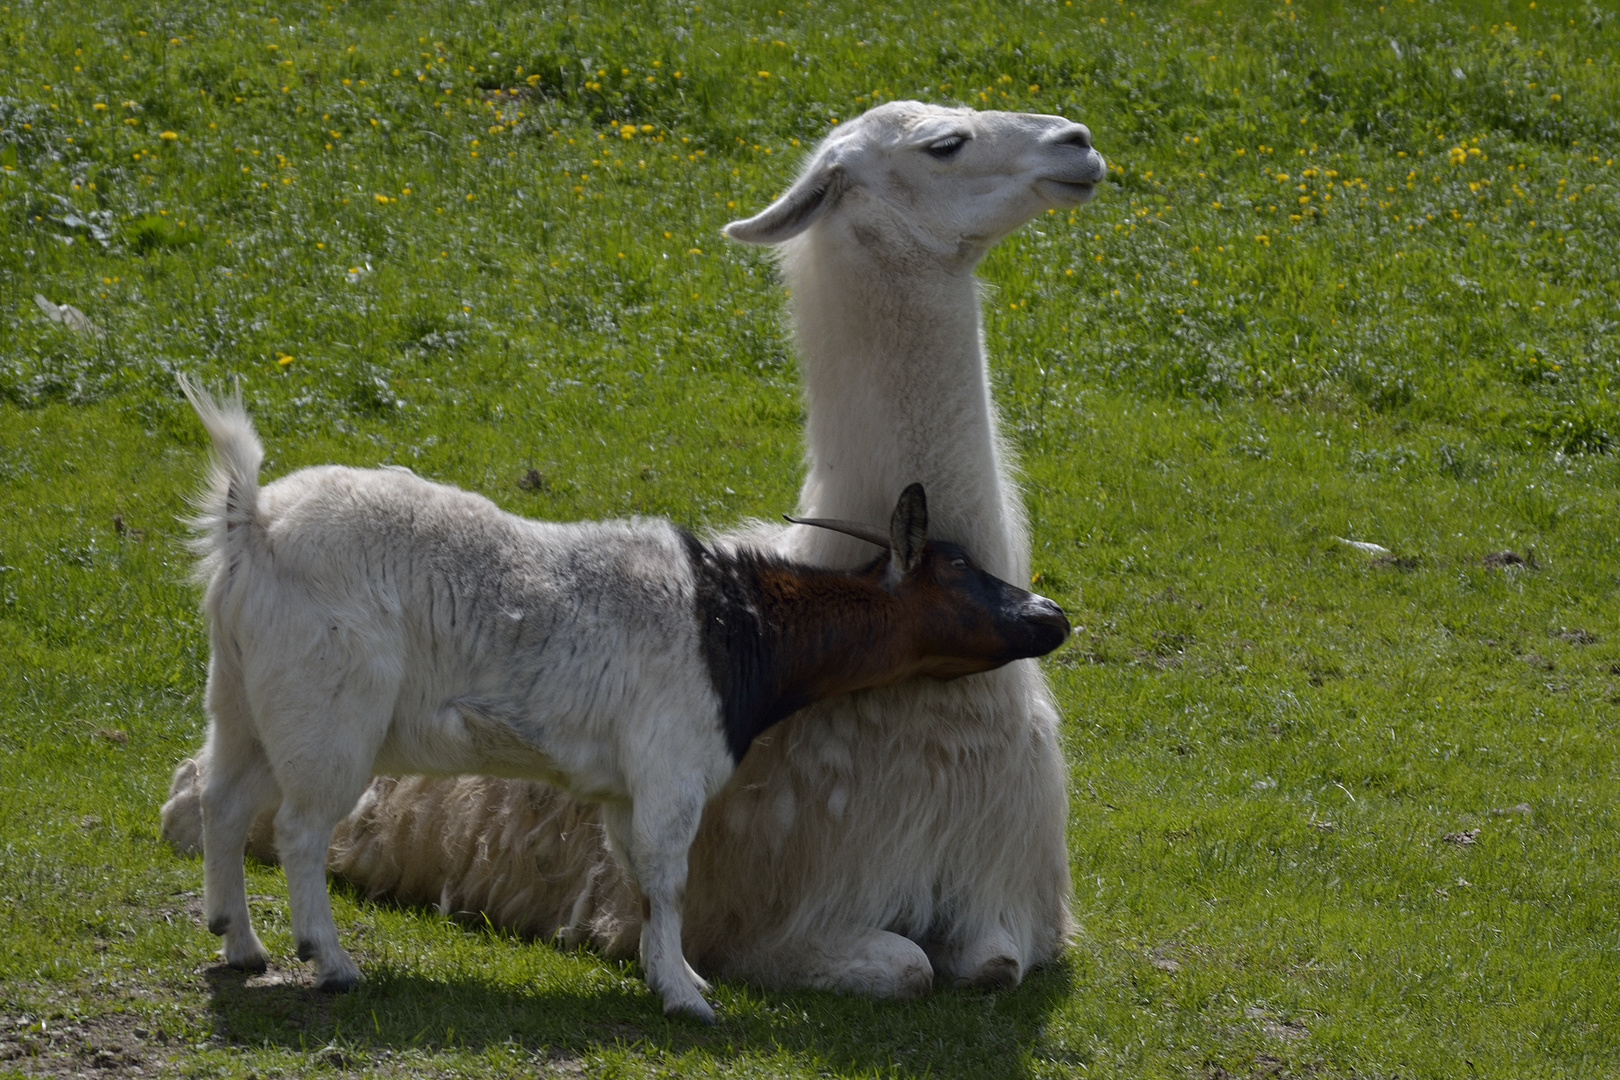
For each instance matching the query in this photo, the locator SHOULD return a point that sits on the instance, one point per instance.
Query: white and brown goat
(368, 621)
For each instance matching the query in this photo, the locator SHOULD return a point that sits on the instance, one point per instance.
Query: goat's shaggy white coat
(366, 620)
(878, 839)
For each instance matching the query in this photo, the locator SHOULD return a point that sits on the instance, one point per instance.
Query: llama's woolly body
(528, 857)
(878, 839)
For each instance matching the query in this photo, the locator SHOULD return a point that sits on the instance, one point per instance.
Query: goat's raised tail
(231, 499)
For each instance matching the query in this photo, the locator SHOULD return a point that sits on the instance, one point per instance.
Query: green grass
(1212, 374)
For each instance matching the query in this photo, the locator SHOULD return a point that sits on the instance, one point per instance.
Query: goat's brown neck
(778, 637)
(829, 634)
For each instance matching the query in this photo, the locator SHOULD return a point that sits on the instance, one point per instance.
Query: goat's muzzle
(1045, 627)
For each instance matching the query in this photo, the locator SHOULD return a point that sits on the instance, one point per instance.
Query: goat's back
(495, 643)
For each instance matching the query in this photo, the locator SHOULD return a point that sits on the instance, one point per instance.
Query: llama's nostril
(1078, 135)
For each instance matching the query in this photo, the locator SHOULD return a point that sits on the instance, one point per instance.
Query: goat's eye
(947, 148)
(959, 564)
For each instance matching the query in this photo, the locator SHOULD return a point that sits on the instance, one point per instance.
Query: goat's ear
(796, 210)
(908, 529)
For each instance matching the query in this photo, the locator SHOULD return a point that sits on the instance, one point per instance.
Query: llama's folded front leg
(654, 837)
(989, 961)
(869, 963)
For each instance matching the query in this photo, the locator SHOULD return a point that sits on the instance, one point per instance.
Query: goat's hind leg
(303, 835)
(237, 786)
(654, 836)
(322, 775)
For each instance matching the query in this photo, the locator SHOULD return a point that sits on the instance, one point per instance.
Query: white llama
(877, 840)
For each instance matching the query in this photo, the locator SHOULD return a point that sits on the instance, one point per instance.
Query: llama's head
(912, 179)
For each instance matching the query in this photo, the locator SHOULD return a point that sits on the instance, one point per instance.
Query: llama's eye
(947, 148)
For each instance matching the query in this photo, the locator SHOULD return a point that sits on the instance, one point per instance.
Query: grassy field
(1356, 276)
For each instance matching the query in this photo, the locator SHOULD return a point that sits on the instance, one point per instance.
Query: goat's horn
(870, 533)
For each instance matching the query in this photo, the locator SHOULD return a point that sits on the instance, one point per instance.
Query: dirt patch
(1501, 560)
(122, 1045)
(1167, 957)
(185, 906)
(1276, 1028)
(116, 1044)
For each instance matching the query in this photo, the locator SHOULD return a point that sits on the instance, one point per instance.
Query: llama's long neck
(897, 391)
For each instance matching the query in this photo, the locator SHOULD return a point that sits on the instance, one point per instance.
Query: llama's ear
(908, 529)
(796, 210)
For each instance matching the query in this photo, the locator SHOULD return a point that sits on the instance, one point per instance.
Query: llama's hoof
(996, 973)
(697, 1009)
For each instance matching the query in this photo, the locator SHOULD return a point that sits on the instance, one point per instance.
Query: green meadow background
(1355, 276)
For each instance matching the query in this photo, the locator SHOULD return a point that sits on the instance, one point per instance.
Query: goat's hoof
(253, 965)
(698, 1010)
(339, 982)
(249, 955)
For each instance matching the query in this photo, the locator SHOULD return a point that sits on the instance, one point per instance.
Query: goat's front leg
(653, 836)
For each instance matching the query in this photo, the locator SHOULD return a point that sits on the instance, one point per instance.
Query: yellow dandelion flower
(169, 136)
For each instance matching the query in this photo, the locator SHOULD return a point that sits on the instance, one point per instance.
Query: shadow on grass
(949, 1034)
